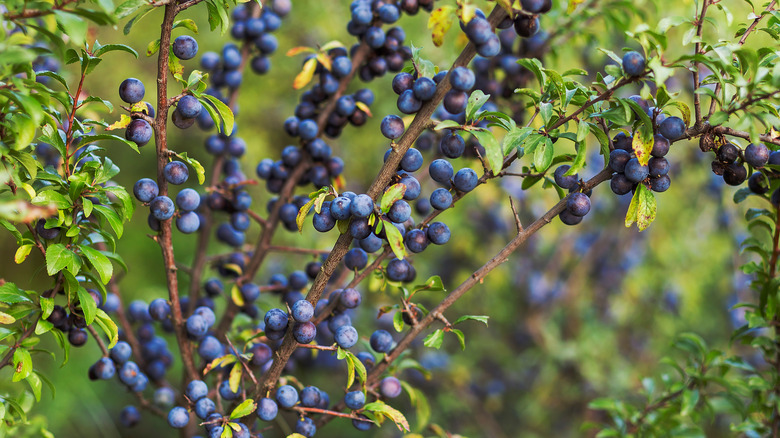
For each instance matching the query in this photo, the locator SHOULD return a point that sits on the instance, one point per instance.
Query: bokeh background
(576, 314)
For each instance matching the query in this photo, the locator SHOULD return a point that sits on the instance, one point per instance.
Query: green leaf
(128, 7)
(108, 326)
(11, 294)
(245, 408)
(424, 67)
(73, 25)
(434, 339)
(394, 193)
(22, 364)
(379, 407)
(111, 217)
(543, 155)
(47, 305)
(35, 384)
(46, 198)
(447, 124)
(642, 208)
(476, 100)
(432, 284)
(116, 47)
(461, 338)
(88, 305)
(99, 261)
(481, 318)
(494, 152)
(535, 67)
(224, 112)
(395, 239)
(398, 321)
(187, 24)
(58, 257)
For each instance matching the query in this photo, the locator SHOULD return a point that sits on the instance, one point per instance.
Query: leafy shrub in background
(247, 349)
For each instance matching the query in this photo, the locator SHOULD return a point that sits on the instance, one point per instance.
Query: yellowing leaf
(363, 107)
(298, 50)
(304, 77)
(439, 23)
(124, 120)
(642, 148)
(573, 5)
(642, 208)
(324, 60)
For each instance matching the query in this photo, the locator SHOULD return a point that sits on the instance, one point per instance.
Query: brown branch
(475, 278)
(380, 182)
(34, 13)
(164, 238)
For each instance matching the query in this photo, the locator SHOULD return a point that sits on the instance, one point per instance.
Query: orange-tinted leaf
(304, 77)
(298, 50)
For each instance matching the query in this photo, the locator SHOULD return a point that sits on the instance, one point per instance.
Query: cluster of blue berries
(387, 50)
(162, 208)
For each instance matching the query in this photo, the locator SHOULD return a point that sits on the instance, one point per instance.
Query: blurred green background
(576, 314)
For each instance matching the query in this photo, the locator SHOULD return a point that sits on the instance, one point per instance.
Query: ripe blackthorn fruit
(635, 172)
(728, 153)
(176, 172)
(189, 107)
(633, 64)
(390, 387)
(452, 145)
(355, 399)
(462, 79)
(178, 417)
(131, 90)
(145, 189)
(188, 222)
(400, 211)
(381, 341)
(756, 154)
(660, 184)
(162, 208)
(287, 396)
(466, 179)
(568, 218)
(565, 182)
(346, 336)
(618, 159)
(441, 199)
(658, 167)
(660, 146)
(578, 204)
(620, 185)
(734, 174)
(139, 131)
(758, 183)
(672, 128)
(187, 199)
(356, 258)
